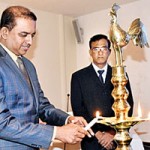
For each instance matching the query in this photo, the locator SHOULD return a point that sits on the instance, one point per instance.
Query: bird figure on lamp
(121, 38)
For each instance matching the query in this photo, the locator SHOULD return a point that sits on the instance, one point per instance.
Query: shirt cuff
(54, 135)
(66, 122)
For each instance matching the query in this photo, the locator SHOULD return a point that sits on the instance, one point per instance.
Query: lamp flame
(139, 110)
(97, 114)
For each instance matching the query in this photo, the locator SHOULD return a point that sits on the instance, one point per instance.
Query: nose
(100, 52)
(29, 39)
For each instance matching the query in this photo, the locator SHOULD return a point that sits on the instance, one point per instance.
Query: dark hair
(11, 13)
(99, 37)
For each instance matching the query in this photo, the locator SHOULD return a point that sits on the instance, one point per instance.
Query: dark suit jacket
(88, 95)
(21, 108)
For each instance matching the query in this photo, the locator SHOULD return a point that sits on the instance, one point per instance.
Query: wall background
(57, 55)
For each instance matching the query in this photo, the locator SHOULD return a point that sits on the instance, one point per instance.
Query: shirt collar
(96, 68)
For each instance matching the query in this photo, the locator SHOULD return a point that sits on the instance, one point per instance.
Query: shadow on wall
(135, 52)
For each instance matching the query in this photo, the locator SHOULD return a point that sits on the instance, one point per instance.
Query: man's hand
(80, 121)
(105, 139)
(77, 120)
(70, 133)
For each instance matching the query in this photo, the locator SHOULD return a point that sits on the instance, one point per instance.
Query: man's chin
(23, 52)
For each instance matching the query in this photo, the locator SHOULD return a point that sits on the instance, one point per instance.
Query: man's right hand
(70, 133)
(105, 139)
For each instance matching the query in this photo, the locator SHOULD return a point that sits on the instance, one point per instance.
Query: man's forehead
(102, 42)
(25, 25)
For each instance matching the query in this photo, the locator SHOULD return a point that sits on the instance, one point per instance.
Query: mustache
(27, 45)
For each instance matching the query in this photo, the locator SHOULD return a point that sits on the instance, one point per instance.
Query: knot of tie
(100, 75)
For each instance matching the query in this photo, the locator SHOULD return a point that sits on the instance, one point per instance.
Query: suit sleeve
(47, 112)
(76, 96)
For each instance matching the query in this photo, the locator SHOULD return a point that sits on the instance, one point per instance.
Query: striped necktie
(100, 76)
(23, 69)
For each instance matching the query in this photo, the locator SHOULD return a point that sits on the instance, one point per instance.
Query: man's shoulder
(83, 70)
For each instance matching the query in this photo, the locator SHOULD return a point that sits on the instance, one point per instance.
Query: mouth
(100, 57)
(25, 48)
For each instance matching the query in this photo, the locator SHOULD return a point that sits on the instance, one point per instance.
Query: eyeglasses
(102, 49)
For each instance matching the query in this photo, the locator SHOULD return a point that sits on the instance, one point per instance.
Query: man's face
(19, 39)
(99, 52)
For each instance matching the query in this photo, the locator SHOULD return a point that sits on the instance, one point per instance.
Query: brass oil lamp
(120, 38)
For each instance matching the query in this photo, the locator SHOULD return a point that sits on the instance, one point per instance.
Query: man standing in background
(91, 89)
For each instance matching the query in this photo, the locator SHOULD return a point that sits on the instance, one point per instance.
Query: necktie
(23, 70)
(100, 76)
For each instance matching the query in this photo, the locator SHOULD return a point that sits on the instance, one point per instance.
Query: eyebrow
(23, 32)
(100, 46)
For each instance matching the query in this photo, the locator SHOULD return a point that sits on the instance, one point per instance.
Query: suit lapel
(108, 75)
(31, 81)
(12, 65)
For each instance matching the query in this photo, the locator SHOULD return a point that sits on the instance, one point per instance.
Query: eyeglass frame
(102, 49)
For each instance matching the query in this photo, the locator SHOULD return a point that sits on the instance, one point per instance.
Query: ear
(90, 52)
(4, 32)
